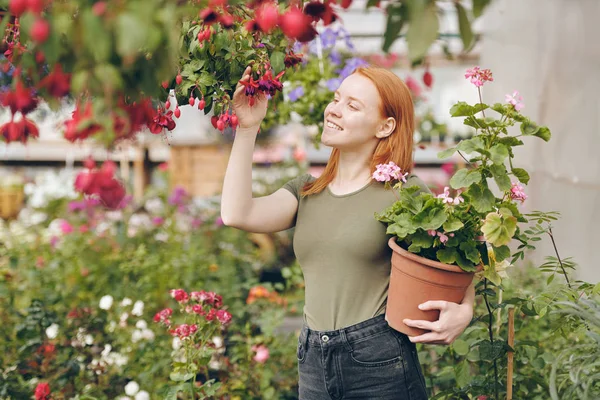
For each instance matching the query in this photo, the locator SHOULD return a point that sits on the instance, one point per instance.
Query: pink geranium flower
(389, 172)
(517, 192)
(516, 100)
(262, 353)
(479, 76)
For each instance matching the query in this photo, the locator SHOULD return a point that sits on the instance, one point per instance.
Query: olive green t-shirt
(343, 252)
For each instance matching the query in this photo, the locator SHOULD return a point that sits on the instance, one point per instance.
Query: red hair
(396, 102)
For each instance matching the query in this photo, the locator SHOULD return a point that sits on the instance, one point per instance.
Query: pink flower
(158, 221)
(196, 222)
(388, 172)
(516, 100)
(432, 232)
(413, 86)
(224, 317)
(449, 168)
(458, 199)
(211, 315)
(42, 391)
(65, 227)
(179, 295)
(262, 353)
(517, 192)
(163, 167)
(205, 297)
(478, 76)
(163, 316)
(219, 221)
(443, 237)
(184, 331)
(197, 309)
(449, 200)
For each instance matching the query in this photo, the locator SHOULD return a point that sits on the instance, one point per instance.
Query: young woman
(346, 350)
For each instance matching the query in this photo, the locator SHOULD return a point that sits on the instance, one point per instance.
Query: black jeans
(368, 360)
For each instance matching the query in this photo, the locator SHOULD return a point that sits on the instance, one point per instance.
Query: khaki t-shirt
(343, 252)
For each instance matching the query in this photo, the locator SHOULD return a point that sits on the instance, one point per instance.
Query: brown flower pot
(415, 280)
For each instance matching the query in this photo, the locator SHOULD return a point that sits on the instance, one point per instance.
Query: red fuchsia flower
(80, 126)
(163, 316)
(292, 59)
(515, 100)
(321, 11)
(261, 353)
(296, 25)
(479, 76)
(19, 131)
(250, 91)
(209, 16)
(267, 16)
(224, 317)
(270, 84)
(389, 172)
(103, 184)
(57, 83)
(42, 391)
(517, 192)
(180, 295)
(40, 30)
(160, 121)
(428, 79)
(21, 99)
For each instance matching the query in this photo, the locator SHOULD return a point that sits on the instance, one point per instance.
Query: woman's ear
(386, 128)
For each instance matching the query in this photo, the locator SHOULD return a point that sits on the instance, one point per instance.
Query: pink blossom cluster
(180, 295)
(207, 297)
(515, 99)
(446, 198)
(163, 316)
(184, 331)
(261, 353)
(443, 236)
(517, 192)
(479, 76)
(389, 172)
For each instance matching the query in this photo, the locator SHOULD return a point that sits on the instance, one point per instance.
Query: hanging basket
(11, 201)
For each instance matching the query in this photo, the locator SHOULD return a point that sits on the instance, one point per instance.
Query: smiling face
(353, 119)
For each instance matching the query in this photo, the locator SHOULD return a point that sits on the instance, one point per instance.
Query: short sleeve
(295, 185)
(414, 180)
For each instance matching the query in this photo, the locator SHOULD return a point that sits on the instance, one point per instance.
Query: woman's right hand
(249, 116)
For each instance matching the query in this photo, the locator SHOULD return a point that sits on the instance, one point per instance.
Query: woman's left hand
(454, 318)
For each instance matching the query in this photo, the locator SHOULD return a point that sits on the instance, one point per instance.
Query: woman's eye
(353, 107)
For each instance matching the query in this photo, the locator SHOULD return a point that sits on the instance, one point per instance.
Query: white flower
(148, 334)
(124, 317)
(126, 302)
(123, 398)
(89, 339)
(106, 302)
(136, 336)
(218, 341)
(154, 206)
(132, 388)
(141, 324)
(142, 395)
(106, 351)
(52, 331)
(176, 343)
(138, 308)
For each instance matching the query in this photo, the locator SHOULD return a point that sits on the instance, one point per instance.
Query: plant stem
(558, 258)
(480, 100)
(464, 158)
(491, 332)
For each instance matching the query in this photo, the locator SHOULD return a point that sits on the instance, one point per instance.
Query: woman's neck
(353, 168)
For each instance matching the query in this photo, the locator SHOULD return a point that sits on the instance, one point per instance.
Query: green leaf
(501, 253)
(131, 35)
(447, 255)
(464, 27)
(529, 128)
(397, 14)
(420, 240)
(501, 176)
(462, 109)
(465, 178)
(452, 225)
(492, 275)
(471, 252)
(521, 175)
(401, 228)
(460, 347)
(423, 29)
(463, 376)
(483, 200)
(95, 37)
(195, 65)
(174, 391)
(206, 79)
(479, 6)
(109, 75)
(510, 141)
(543, 133)
(277, 61)
(471, 145)
(498, 230)
(498, 152)
(180, 376)
(433, 219)
(446, 153)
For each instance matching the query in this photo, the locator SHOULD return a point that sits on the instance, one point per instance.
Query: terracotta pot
(415, 280)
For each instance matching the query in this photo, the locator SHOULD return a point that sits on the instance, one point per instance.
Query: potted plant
(439, 242)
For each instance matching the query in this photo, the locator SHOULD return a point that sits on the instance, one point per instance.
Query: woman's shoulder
(296, 184)
(413, 180)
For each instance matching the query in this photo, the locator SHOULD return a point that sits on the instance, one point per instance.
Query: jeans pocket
(378, 350)
(300, 351)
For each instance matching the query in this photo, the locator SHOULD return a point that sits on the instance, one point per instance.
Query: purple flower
(343, 33)
(333, 84)
(335, 57)
(219, 221)
(177, 197)
(351, 65)
(328, 38)
(296, 93)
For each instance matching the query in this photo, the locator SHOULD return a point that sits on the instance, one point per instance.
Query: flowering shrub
(452, 227)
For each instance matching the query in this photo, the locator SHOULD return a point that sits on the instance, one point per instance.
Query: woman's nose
(335, 110)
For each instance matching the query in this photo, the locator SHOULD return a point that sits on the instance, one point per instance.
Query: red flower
(42, 391)
(102, 184)
(161, 121)
(224, 317)
(22, 99)
(292, 59)
(318, 11)
(19, 131)
(163, 316)
(81, 125)
(209, 16)
(295, 23)
(180, 295)
(57, 83)
(267, 16)
(270, 84)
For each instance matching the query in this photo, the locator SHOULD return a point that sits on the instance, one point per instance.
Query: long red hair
(396, 102)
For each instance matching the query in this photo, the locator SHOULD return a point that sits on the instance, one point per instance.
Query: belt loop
(305, 332)
(345, 340)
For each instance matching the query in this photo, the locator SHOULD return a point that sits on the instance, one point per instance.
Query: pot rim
(425, 261)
